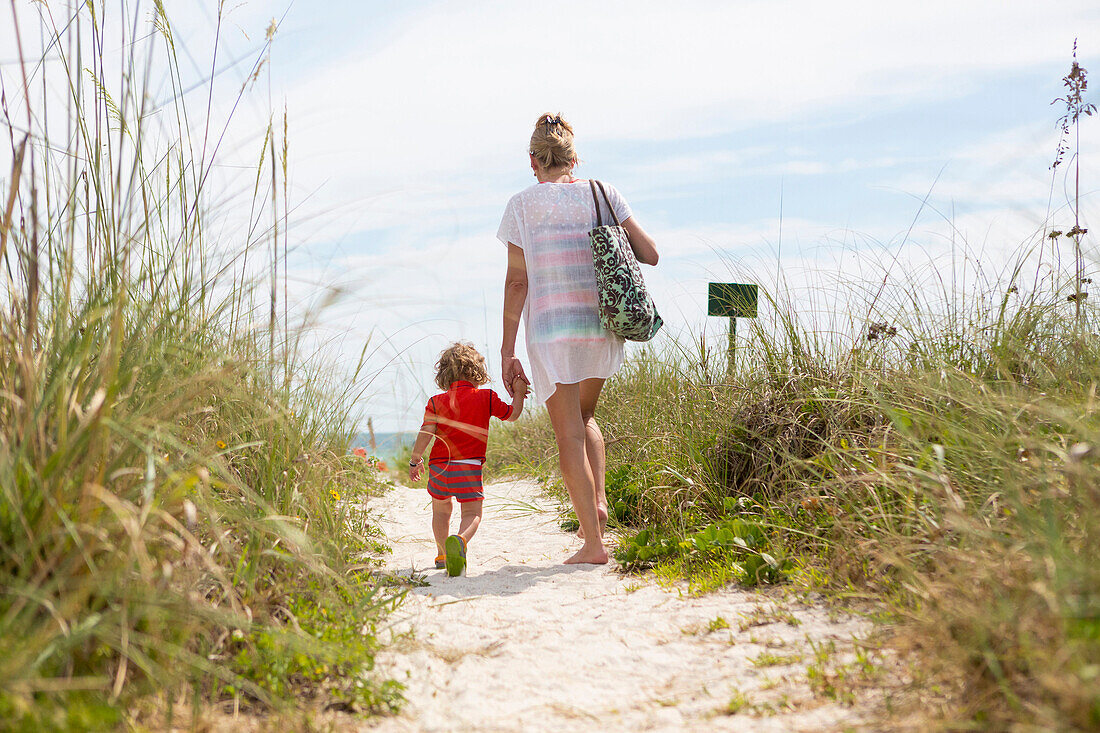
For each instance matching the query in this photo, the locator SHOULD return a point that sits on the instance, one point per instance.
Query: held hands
(416, 471)
(511, 369)
(519, 386)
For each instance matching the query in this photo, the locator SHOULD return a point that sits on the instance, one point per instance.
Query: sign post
(733, 301)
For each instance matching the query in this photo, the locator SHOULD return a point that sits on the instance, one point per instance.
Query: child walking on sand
(458, 419)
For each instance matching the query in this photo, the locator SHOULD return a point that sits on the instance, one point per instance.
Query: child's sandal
(440, 562)
(456, 555)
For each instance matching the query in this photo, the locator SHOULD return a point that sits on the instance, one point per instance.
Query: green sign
(735, 300)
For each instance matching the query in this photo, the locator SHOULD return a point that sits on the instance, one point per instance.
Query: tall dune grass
(170, 472)
(939, 456)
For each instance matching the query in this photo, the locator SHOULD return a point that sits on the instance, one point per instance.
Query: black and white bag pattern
(626, 309)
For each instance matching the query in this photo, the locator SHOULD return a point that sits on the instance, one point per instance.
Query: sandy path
(524, 643)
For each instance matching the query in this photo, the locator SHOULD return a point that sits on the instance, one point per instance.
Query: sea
(387, 445)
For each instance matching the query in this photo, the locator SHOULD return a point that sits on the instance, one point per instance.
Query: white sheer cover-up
(565, 342)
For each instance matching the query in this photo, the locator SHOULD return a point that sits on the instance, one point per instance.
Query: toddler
(458, 419)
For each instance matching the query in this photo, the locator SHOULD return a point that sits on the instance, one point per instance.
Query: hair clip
(551, 120)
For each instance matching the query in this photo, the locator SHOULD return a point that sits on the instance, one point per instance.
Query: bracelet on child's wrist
(414, 464)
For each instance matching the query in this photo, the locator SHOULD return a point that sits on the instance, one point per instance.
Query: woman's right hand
(511, 368)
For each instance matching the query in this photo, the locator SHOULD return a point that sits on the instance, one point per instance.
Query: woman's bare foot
(589, 555)
(601, 512)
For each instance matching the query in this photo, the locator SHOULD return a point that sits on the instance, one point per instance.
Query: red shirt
(461, 418)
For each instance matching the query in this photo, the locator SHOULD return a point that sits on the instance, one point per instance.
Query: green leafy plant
(625, 486)
(739, 543)
(325, 647)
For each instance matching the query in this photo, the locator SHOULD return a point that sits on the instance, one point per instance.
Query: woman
(551, 280)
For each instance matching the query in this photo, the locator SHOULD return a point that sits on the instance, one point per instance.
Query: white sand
(524, 643)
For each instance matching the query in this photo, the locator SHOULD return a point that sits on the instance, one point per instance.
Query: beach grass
(932, 456)
(176, 515)
(949, 475)
(921, 443)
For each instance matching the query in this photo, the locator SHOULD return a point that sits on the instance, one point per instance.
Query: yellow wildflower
(335, 494)
(221, 445)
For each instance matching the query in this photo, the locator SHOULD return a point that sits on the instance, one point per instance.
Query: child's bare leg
(441, 522)
(471, 519)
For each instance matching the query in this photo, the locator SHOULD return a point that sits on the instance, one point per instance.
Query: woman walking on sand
(552, 281)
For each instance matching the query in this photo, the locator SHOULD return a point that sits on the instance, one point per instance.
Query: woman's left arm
(515, 295)
(645, 249)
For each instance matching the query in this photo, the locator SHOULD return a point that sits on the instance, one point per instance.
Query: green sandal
(456, 555)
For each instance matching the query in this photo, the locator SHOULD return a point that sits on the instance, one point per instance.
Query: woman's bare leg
(564, 407)
(594, 447)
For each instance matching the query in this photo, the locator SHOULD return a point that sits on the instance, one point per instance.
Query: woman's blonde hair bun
(552, 142)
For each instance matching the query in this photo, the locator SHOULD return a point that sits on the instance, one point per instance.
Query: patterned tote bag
(626, 309)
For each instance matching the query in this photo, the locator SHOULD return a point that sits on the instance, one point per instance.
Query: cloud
(427, 125)
(459, 86)
(406, 140)
(1003, 181)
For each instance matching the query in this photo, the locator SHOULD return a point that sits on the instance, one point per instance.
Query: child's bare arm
(416, 460)
(519, 394)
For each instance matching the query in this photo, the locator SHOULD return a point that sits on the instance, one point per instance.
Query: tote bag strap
(610, 208)
(596, 201)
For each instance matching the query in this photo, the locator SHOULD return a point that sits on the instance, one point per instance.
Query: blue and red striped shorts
(460, 480)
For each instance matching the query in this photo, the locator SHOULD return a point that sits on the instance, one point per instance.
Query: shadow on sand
(510, 580)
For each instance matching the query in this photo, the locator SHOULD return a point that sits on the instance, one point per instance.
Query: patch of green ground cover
(178, 513)
(720, 552)
(328, 650)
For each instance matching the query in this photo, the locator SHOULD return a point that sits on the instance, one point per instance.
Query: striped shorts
(460, 479)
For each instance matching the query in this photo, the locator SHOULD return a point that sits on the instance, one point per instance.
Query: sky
(756, 140)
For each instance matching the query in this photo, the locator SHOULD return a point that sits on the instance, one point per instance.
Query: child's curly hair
(460, 362)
